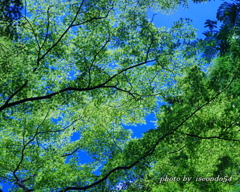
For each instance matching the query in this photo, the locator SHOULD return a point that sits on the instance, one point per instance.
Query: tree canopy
(10, 13)
(90, 68)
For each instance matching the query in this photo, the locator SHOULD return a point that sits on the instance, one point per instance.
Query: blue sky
(199, 13)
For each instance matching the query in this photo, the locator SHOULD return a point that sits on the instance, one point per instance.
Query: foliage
(205, 145)
(92, 67)
(10, 14)
(217, 42)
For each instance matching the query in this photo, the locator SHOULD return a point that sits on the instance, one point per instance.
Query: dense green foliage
(90, 67)
(10, 13)
(218, 41)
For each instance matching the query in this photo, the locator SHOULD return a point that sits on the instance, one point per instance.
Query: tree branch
(68, 154)
(151, 150)
(94, 18)
(70, 89)
(94, 58)
(212, 137)
(19, 182)
(63, 34)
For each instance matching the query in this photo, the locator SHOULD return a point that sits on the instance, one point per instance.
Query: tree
(91, 67)
(10, 14)
(217, 42)
(216, 94)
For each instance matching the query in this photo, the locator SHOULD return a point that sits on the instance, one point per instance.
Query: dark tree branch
(152, 17)
(40, 58)
(68, 154)
(94, 18)
(48, 24)
(30, 177)
(34, 33)
(6, 103)
(64, 128)
(151, 150)
(63, 34)
(129, 92)
(71, 88)
(19, 182)
(94, 59)
(212, 137)
(215, 137)
(177, 150)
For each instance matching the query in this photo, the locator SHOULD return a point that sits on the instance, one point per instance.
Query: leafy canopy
(91, 67)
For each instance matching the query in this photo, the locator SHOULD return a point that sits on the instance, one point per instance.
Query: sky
(199, 13)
